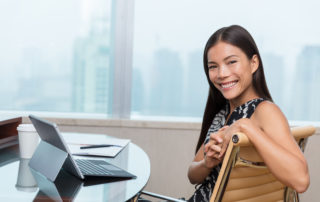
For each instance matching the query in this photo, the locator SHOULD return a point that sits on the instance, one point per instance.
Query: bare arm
(207, 157)
(198, 170)
(269, 132)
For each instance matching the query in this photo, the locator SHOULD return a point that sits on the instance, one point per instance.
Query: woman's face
(231, 71)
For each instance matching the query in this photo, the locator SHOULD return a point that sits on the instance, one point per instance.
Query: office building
(306, 85)
(164, 98)
(92, 70)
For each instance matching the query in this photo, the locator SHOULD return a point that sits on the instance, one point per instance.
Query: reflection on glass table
(66, 186)
(25, 180)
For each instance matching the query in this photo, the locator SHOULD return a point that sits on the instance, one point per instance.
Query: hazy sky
(278, 26)
(281, 27)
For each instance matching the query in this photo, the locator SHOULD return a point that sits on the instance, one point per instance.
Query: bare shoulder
(266, 107)
(268, 114)
(270, 119)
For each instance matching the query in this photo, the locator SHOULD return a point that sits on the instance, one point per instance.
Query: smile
(228, 85)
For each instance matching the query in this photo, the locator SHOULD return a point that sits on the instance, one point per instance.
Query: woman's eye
(212, 66)
(232, 62)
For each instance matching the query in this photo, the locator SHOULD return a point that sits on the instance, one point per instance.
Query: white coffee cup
(28, 140)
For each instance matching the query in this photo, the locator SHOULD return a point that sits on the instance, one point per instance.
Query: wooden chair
(245, 178)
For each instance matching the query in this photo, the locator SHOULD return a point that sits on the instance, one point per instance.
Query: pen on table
(99, 146)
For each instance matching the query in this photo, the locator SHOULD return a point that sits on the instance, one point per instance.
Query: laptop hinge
(48, 160)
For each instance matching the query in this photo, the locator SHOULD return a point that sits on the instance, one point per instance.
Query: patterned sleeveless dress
(203, 191)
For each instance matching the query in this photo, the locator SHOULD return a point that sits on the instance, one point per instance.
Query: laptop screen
(48, 132)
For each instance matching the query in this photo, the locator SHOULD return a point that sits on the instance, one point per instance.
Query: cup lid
(26, 127)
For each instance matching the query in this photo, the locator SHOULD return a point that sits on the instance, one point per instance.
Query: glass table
(19, 183)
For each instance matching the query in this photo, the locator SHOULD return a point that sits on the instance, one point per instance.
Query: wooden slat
(240, 172)
(303, 131)
(274, 196)
(244, 182)
(297, 132)
(241, 194)
(250, 154)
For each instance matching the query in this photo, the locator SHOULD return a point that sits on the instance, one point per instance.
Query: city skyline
(43, 60)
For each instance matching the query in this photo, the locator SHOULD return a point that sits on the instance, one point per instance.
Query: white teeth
(228, 85)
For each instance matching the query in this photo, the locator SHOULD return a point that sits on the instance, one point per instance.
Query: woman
(239, 100)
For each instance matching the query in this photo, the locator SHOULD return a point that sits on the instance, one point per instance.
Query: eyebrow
(226, 58)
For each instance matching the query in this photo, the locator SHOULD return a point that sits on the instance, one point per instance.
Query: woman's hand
(231, 130)
(207, 157)
(213, 149)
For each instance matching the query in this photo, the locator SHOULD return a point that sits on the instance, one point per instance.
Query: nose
(223, 71)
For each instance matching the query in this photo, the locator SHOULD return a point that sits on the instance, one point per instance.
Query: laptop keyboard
(92, 167)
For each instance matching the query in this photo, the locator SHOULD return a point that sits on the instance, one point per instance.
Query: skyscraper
(138, 92)
(274, 69)
(165, 96)
(306, 85)
(92, 70)
(196, 86)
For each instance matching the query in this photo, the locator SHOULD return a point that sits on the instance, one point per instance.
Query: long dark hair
(241, 38)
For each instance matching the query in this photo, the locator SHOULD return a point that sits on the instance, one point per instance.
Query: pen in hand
(99, 146)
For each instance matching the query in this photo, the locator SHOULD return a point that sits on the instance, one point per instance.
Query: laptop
(53, 141)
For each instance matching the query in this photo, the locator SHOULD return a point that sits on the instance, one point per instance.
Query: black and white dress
(203, 191)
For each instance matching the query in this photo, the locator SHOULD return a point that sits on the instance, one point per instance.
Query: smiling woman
(231, 71)
(239, 101)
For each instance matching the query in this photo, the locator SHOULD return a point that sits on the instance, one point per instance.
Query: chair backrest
(245, 178)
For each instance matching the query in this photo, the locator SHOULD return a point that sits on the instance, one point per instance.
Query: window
(169, 38)
(133, 59)
(55, 55)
